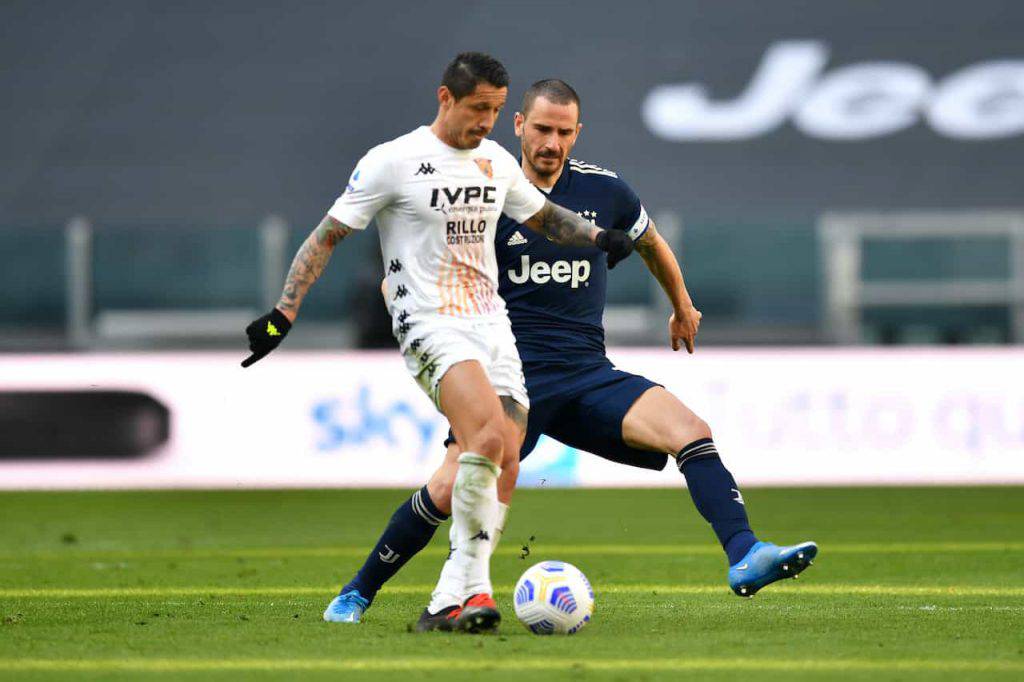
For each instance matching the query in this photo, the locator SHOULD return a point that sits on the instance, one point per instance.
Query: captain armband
(640, 226)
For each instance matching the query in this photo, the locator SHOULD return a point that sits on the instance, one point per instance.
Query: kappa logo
(485, 167)
(517, 239)
(482, 535)
(425, 169)
(403, 323)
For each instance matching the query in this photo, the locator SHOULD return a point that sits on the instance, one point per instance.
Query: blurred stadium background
(841, 180)
(842, 183)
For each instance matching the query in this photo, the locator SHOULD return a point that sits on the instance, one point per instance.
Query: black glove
(265, 334)
(616, 243)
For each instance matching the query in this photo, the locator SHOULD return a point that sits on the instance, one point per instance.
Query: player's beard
(542, 171)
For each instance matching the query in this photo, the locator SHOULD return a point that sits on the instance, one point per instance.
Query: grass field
(910, 584)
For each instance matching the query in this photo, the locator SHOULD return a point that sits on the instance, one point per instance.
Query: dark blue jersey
(556, 294)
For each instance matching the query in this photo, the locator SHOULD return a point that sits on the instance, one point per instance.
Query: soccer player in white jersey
(437, 194)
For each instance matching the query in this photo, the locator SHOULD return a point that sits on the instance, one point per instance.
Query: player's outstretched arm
(662, 263)
(562, 226)
(266, 333)
(309, 264)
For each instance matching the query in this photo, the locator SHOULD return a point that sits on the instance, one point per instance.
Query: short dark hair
(553, 90)
(470, 68)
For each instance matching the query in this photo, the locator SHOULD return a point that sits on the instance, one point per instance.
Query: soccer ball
(554, 597)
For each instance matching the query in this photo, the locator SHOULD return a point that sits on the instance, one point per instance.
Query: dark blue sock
(409, 530)
(717, 497)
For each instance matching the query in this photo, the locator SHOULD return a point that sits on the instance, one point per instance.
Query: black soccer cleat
(443, 620)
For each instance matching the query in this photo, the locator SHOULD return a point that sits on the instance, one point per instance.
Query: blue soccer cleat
(765, 563)
(346, 608)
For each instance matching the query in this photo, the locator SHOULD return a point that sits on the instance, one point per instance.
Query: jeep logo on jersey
(561, 271)
(852, 102)
(440, 196)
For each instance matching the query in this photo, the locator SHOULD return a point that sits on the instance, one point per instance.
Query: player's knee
(686, 428)
(695, 428)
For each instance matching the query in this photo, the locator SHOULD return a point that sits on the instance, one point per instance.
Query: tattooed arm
(266, 333)
(562, 226)
(309, 264)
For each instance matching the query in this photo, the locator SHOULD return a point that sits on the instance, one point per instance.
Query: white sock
(449, 590)
(474, 513)
(499, 525)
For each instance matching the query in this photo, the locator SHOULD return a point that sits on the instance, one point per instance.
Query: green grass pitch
(910, 584)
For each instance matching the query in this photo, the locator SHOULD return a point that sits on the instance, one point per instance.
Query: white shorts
(431, 344)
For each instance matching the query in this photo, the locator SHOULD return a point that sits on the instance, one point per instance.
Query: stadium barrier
(780, 417)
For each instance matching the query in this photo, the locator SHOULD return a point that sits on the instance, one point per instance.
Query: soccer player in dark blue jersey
(555, 297)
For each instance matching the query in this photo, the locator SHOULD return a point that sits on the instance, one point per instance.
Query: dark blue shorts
(583, 407)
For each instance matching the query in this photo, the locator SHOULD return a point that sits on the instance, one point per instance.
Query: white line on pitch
(510, 664)
(611, 588)
(537, 548)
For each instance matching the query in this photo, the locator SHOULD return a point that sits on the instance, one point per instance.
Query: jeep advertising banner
(740, 108)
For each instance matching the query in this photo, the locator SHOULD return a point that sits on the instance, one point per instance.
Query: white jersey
(437, 209)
